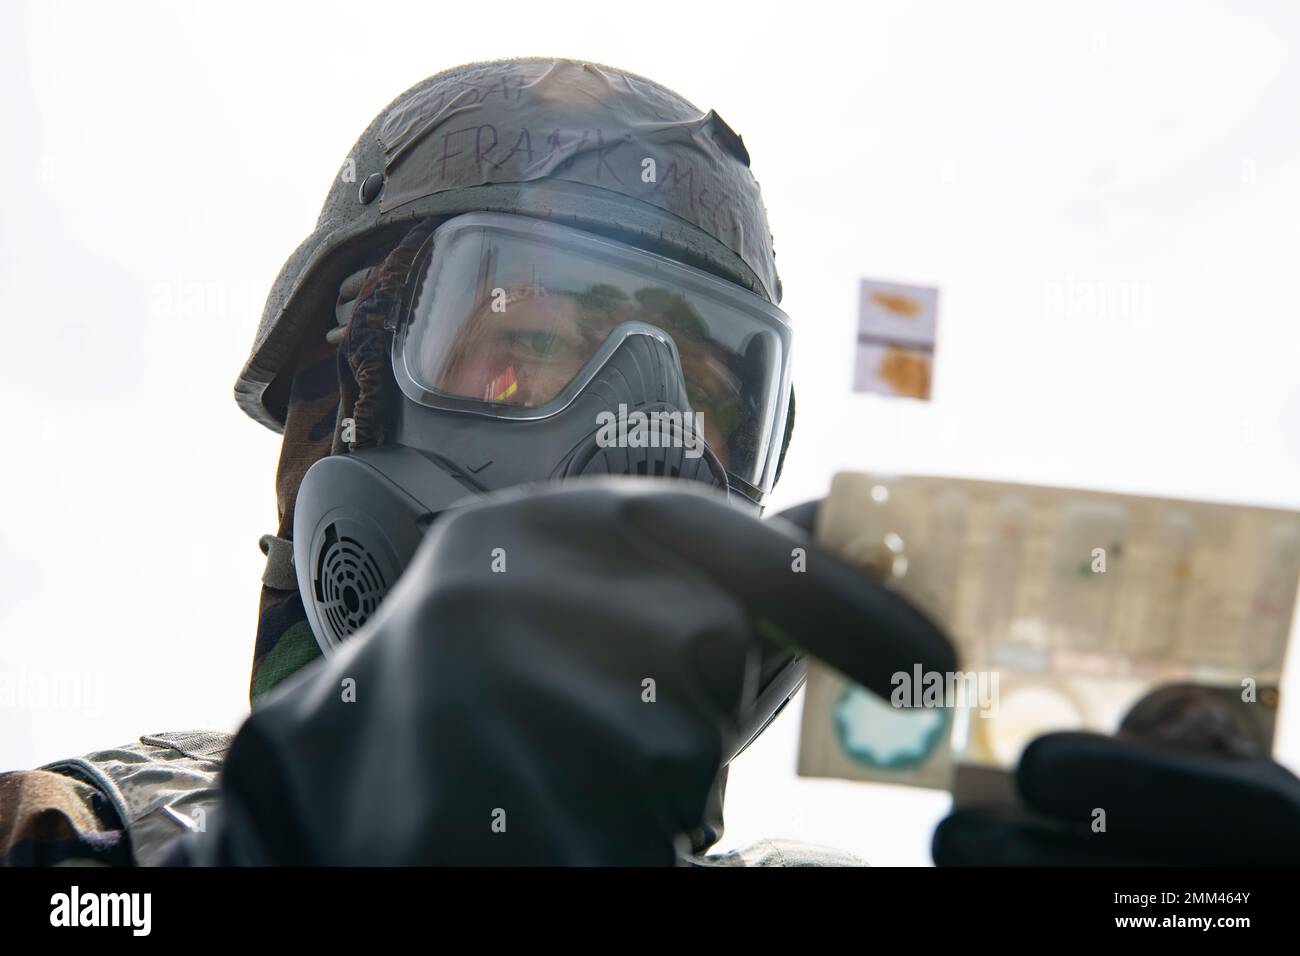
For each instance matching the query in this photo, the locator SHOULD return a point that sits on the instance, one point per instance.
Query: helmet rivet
(370, 187)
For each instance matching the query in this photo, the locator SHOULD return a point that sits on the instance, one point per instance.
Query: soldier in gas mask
(534, 386)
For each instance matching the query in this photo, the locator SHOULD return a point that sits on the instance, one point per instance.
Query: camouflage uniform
(119, 806)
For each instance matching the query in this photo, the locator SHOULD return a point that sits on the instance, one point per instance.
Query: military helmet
(579, 143)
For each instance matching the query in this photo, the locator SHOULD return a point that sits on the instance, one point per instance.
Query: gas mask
(525, 351)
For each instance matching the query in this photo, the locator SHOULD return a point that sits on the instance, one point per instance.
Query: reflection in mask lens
(537, 344)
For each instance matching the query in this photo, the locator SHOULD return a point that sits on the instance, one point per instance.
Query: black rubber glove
(1177, 789)
(501, 716)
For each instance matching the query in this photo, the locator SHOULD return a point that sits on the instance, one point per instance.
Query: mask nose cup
(643, 423)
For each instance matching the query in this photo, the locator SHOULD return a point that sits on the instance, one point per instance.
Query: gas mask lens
(512, 317)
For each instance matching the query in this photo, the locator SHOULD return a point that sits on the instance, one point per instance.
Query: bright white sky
(165, 159)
